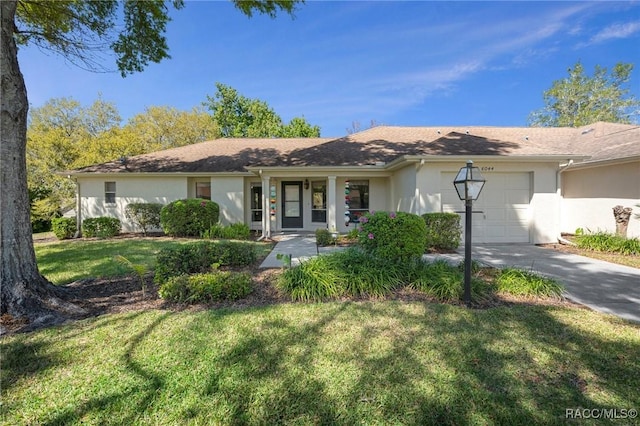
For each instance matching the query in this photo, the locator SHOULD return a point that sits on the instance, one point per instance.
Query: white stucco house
(540, 181)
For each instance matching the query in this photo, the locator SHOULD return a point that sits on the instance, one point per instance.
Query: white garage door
(504, 205)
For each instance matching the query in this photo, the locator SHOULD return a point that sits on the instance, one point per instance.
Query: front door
(292, 205)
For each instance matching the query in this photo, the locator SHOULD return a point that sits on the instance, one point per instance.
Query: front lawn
(386, 362)
(66, 261)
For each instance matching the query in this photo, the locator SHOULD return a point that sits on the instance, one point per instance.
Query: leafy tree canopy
(579, 100)
(242, 117)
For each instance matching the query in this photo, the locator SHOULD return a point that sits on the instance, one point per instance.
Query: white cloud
(616, 31)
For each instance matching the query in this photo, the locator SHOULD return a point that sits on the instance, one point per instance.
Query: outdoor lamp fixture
(468, 183)
(306, 184)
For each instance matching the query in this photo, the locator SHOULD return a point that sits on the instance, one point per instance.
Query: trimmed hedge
(64, 227)
(144, 215)
(190, 217)
(443, 230)
(199, 257)
(207, 287)
(394, 236)
(235, 231)
(101, 227)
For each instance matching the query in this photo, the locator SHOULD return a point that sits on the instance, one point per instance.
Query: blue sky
(399, 63)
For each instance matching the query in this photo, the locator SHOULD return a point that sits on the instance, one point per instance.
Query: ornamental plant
(393, 236)
(189, 217)
(144, 215)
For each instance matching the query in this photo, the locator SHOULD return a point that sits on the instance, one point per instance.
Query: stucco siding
(405, 192)
(228, 192)
(591, 193)
(161, 190)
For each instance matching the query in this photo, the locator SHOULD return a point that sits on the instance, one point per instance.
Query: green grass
(372, 363)
(611, 243)
(67, 261)
(527, 283)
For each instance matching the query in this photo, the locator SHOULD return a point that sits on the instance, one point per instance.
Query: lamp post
(468, 183)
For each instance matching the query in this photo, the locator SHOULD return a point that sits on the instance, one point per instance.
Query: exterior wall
(544, 208)
(228, 192)
(590, 194)
(128, 190)
(405, 196)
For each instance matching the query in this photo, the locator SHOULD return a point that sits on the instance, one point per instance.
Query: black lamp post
(468, 183)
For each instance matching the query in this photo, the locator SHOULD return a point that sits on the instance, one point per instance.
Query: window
(110, 192)
(203, 190)
(256, 202)
(319, 199)
(358, 199)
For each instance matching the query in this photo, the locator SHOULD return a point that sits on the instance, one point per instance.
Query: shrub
(324, 237)
(101, 227)
(198, 257)
(443, 281)
(144, 215)
(351, 272)
(527, 283)
(396, 237)
(365, 275)
(188, 218)
(235, 231)
(199, 288)
(314, 280)
(64, 227)
(603, 241)
(443, 230)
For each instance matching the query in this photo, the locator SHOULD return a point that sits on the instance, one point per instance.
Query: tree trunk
(622, 215)
(24, 293)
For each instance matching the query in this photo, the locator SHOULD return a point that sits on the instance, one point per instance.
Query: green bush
(314, 280)
(188, 218)
(324, 237)
(209, 287)
(365, 275)
(144, 215)
(198, 257)
(606, 242)
(443, 230)
(235, 231)
(396, 237)
(443, 281)
(64, 227)
(101, 227)
(527, 283)
(351, 272)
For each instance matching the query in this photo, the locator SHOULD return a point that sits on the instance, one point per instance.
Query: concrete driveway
(603, 286)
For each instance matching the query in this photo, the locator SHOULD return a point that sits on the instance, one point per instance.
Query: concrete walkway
(602, 286)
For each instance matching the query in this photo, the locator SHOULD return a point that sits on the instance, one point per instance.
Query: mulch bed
(100, 296)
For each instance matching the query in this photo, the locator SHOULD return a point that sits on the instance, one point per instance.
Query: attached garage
(503, 209)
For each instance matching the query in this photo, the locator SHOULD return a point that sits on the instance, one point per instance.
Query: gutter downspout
(562, 169)
(78, 233)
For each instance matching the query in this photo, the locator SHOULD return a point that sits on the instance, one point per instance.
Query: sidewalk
(300, 246)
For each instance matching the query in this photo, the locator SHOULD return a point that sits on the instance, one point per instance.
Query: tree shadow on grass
(144, 394)
(444, 366)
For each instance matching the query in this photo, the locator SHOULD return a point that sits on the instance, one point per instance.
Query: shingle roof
(385, 144)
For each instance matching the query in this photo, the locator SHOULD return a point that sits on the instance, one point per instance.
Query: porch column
(266, 208)
(331, 203)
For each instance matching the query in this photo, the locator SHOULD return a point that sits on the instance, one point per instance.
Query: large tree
(81, 31)
(242, 117)
(62, 135)
(166, 127)
(579, 100)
